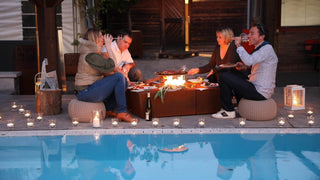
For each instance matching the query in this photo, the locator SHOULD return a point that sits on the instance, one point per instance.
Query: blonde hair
(227, 33)
(92, 35)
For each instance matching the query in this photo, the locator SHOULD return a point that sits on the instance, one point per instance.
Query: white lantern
(294, 97)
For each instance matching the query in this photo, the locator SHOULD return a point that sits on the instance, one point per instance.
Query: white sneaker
(223, 114)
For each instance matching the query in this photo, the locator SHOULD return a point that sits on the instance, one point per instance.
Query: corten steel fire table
(188, 101)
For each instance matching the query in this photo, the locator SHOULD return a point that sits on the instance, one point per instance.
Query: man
(122, 57)
(261, 83)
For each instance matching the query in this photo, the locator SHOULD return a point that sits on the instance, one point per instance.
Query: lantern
(294, 97)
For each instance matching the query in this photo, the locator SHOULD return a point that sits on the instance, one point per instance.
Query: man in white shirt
(261, 83)
(122, 57)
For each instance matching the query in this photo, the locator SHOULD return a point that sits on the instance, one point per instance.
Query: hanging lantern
(294, 97)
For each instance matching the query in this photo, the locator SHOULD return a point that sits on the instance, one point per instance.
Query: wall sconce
(294, 97)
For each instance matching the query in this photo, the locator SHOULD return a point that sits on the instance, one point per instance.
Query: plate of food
(150, 87)
(137, 90)
(227, 65)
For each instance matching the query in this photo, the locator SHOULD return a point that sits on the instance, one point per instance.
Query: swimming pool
(96, 155)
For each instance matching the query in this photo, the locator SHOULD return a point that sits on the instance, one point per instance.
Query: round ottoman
(257, 110)
(83, 110)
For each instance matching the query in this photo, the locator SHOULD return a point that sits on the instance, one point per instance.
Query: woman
(96, 80)
(225, 53)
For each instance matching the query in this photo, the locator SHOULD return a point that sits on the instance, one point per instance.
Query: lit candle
(310, 120)
(114, 122)
(21, 109)
(30, 122)
(27, 113)
(134, 122)
(201, 122)
(242, 122)
(0, 116)
(39, 117)
(75, 123)
(52, 123)
(10, 124)
(96, 122)
(155, 122)
(13, 106)
(176, 122)
(281, 121)
(309, 112)
(290, 115)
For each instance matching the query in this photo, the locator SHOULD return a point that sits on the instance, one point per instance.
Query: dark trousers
(236, 83)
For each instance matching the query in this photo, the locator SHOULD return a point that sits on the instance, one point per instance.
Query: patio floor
(188, 123)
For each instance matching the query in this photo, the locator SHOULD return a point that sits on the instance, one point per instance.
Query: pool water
(161, 157)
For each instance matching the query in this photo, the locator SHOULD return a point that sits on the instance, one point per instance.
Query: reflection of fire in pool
(178, 149)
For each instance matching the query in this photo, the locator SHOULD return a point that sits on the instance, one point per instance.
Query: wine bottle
(148, 108)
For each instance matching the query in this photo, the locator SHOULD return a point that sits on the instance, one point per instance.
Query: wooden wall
(205, 17)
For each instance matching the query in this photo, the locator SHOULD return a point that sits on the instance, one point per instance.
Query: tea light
(176, 122)
(134, 122)
(75, 121)
(27, 113)
(30, 122)
(114, 122)
(0, 116)
(10, 123)
(201, 122)
(310, 120)
(309, 112)
(14, 106)
(281, 121)
(242, 122)
(290, 115)
(155, 122)
(40, 116)
(52, 123)
(21, 109)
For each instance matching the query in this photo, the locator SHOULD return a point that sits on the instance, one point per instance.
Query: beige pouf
(258, 110)
(83, 110)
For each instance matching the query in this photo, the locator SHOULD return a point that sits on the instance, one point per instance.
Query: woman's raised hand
(108, 39)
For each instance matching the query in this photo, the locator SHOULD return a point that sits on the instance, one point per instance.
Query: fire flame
(175, 80)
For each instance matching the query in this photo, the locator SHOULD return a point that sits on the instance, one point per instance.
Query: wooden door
(173, 24)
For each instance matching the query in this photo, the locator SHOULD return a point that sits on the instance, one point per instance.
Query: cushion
(83, 110)
(258, 110)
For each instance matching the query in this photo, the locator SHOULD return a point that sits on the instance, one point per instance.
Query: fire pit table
(184, 101)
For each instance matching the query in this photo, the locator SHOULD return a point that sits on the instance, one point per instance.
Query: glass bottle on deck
(148, 108)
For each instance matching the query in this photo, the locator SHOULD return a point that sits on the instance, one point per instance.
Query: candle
(309, 112)
(30, 122)
(96, 122)
(201, 122)
(242, 122)
(10, 124)
(310, 120)
(52, 123)
(134, 122)
(114, 122)
(14, 106)
(281, 121)
(21, 109)
(75, 123)
(0, 116)
(290, 115)
(39, 117)
(176, 122)
(27, 113)
(155, 122)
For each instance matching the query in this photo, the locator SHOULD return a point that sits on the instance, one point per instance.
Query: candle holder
(13, 106)
(176, 122)
(242, 122)
(21, 109)
(134, 122)
(309, 111)
(52, 123)
(75, 121)
(27, 113)
(290, 115)
(39, 116)
(281, 121)
(201, 122)
(30, 122)
(10, 123)
(96, 118)
(310, 120)
(114, 122)
(155, 122)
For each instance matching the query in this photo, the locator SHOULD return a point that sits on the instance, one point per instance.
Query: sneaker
(223, 114)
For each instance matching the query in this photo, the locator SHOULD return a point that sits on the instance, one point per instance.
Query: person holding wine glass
(261, 83)
(222, 58)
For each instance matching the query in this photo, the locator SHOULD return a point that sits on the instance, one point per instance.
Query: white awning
(10, 20)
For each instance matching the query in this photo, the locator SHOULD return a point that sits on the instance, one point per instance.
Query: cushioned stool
(83, 110)
(257, 110)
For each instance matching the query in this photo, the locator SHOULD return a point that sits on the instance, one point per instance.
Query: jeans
(111, 90)
(237, 84)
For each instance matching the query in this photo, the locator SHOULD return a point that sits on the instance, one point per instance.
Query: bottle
(148, 108)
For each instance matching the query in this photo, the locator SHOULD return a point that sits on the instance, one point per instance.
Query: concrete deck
(188, 123)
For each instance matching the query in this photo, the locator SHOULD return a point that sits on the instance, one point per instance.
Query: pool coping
(75, 132)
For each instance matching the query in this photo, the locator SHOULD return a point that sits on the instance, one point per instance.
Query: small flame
(175, 80)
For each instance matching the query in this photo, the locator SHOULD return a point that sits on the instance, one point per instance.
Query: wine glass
(244, 37)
